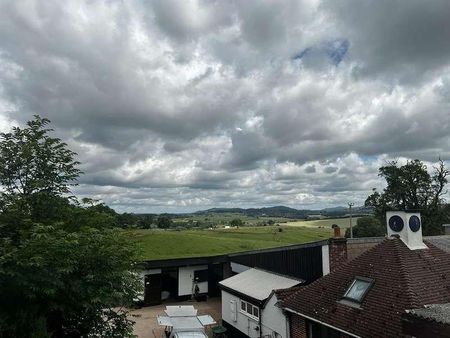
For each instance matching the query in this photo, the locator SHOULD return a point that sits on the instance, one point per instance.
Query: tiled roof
(282, 294)
(403, 279)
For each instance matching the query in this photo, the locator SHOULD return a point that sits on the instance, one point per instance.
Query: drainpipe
(260, 322)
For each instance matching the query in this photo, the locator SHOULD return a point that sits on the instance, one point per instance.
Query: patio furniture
(219, 331)
(182, 322)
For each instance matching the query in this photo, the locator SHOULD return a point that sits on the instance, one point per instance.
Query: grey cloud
(330, 169)
(400, 41)
(188, 20)
(310, 169)
(185, 105)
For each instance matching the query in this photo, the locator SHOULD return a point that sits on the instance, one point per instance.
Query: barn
(175, 279)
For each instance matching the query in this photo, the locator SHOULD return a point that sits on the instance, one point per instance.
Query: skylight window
(358, 289)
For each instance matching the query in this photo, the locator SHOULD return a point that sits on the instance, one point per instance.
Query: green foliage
(236, 222)
(63, 266)
(34, 167)
(411, 187)
(145, 221)
(76, 275)
(367, 226)
(164, 222)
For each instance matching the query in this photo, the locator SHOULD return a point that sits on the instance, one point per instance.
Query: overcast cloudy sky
(185, 105)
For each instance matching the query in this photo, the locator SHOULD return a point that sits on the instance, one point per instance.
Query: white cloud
(181, 105)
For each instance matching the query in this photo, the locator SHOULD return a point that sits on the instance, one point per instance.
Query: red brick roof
(282, 294)
(403, 279)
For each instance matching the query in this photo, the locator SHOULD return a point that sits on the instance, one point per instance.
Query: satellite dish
(414, 223)
(396, 223)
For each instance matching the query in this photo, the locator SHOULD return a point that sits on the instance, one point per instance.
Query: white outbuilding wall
(232, 315)
(186, 278)
(273, 321)
(272, 318)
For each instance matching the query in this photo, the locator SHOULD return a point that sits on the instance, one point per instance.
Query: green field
(323, 223)
(162, 244)
(225, 218)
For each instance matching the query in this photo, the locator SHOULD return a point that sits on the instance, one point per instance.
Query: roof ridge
(330, 274)
(403, 273)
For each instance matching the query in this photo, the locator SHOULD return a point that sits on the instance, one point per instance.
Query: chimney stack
(337, 249)
(337, 232)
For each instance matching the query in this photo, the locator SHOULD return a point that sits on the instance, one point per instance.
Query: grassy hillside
(226, 218)
(326, 223)
(160, 244)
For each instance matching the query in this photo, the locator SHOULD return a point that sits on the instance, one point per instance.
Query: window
(358, 289)
(249, 309)
(201, 276)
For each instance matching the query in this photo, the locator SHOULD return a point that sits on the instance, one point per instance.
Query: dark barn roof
(402, 279)
(176, 262)
(302, 261)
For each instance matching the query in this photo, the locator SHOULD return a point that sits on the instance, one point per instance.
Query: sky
(176, 106)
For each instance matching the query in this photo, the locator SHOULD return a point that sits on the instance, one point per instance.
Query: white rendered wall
(273, 320)
(186, 278)
(325, 260)
(244, 323)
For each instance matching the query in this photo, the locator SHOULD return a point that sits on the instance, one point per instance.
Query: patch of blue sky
(368, 158)
(334, 50)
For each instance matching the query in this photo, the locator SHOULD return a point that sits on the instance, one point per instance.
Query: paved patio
(145, 318)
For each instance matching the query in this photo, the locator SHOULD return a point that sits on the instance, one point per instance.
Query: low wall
(357, 246)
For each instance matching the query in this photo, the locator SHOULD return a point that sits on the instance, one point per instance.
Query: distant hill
(287, 212)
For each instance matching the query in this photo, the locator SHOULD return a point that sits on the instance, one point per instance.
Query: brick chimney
(337, 249)
(337, 232)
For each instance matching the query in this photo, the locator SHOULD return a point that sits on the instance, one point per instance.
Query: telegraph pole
(350, 204)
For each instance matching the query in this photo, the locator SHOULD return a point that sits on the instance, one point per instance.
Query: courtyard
(146, 325)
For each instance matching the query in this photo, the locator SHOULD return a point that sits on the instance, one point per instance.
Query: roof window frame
(363, 296)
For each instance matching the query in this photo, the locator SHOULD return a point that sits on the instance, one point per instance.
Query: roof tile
(403, 279)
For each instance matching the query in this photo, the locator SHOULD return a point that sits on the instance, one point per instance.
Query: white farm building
(250, 304)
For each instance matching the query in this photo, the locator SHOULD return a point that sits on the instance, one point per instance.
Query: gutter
(322, 323)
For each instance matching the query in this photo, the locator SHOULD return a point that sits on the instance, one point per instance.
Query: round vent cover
(414, 223)
(396, 223)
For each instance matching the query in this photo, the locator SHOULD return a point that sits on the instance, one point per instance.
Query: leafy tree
(35, 168)
(164, 222)
(63, 267)
(145, 221)
(127, 220)
(412, 187)
(236, 222)
(367, 226)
